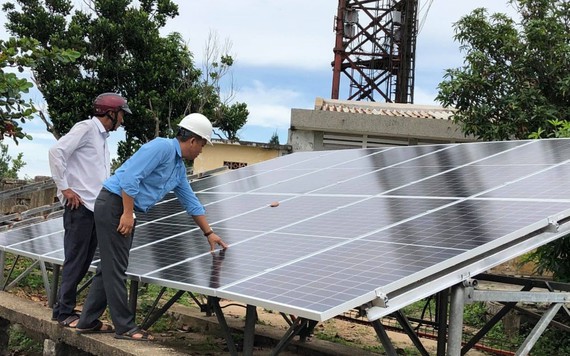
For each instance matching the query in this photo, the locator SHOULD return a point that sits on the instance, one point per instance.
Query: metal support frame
(2, 265)
(456, 305)
(489, 325)
(286, 318)
(133, 295)
(295, 328)
(52, 297)
(45, 277)
(403, 321)
(153, 316)
(7, 286)
(538, 329)
(384, 339)
(249, 330)
(442, 299)
(215, 302)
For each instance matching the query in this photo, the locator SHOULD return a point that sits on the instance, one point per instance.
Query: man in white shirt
(79, 163)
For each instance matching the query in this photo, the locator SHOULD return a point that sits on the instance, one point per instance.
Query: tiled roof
(386, 109)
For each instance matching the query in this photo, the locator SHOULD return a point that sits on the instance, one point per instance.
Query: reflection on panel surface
(243, 260)
(364, 217)
(549, 184)
(290, 211)
(38, 246)
(176, 249)
(324, 281)
(466, 181)
(25, 233)
(468, 224)
(348, 223)
(458, 155)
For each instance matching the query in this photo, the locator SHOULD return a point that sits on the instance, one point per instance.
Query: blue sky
(283, 54)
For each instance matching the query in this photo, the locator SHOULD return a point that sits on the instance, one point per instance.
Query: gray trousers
(109, 284)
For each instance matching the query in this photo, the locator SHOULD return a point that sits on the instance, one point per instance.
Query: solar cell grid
(153, 231)
(364, 217)
(549, 184)
(38, 246)
(379, 181)
(349, 223)
(171, 251)
(256, 182)
(468, 224)
(25, 233)
(392, 156)
(236, 205)
(290, 211)
(458, 155)
(250, 257)
(466, 181)
(335, 158)
(541, 152)
(296, 284)
(308, 181)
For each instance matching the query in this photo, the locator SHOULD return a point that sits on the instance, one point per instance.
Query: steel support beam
(538, 330)
(456, 306)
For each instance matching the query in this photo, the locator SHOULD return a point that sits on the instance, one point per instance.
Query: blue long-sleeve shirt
(154, 170)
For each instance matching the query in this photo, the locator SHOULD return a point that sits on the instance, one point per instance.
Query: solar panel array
(351, 225)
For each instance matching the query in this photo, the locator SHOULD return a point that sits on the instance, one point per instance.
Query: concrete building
(339, 124)
(236, 154)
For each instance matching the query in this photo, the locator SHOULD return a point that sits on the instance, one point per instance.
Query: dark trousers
(109, 284)
(80, 243)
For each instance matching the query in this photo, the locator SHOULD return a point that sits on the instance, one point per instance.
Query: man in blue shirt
(144, 179)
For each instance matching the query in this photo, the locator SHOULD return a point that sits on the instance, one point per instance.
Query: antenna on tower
(374, 50)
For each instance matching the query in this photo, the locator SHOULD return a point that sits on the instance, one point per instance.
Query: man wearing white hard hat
(144, 179)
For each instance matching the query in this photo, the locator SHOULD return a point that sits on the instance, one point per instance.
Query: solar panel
(352, 226)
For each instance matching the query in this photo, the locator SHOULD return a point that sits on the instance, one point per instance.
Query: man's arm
(58, 155)
(213, 238)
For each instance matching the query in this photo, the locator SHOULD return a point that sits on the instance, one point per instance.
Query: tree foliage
(9, 168)
(515, 83)
(228, 116)
(122, 51)
(274, 140)
(515, 77)
(553, 257)
(15, 56)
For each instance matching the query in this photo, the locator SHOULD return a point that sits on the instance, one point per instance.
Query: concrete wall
(24, 201)
(213, 157)
(308, 128)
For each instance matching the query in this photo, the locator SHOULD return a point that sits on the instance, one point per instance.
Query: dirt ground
(357, 335)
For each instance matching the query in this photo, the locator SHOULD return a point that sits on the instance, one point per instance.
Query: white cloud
(294, 37)
(269, 106)
(425, 97)
(292, 33)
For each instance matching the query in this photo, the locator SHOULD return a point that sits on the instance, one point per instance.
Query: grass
(21, 344)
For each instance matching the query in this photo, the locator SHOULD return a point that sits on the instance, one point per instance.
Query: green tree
(228, 116)
(553, 257)
(122, 51)
(15, 56)
(515, 83)
(516, 76)
(274, 140)
(9, 168)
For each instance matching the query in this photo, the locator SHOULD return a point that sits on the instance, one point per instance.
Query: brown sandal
(100, 327)
(70, 322)
(130, 335)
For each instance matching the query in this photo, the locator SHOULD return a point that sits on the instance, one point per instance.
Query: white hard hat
(199, 124)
